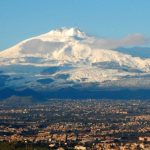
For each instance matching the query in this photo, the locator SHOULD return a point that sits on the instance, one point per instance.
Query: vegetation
(21, 146)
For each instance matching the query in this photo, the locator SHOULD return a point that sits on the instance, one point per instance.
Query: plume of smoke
(131, 40)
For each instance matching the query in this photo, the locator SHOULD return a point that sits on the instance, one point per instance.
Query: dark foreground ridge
(78, 94)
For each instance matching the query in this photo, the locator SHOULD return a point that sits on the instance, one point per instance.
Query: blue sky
(21, 19)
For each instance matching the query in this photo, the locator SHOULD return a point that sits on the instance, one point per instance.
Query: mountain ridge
(64, 58)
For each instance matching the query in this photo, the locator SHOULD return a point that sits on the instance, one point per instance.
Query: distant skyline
(112, 19)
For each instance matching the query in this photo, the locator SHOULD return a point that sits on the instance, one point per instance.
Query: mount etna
(66, 63)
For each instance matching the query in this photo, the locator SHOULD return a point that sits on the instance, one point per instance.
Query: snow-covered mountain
(67, 57)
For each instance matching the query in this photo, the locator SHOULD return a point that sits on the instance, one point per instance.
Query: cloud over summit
(130, 40)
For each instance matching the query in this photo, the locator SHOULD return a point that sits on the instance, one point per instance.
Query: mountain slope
(65, 58)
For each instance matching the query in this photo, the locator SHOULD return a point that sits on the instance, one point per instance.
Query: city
(77, 124)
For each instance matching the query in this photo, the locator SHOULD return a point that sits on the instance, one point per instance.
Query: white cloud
(131, 40)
